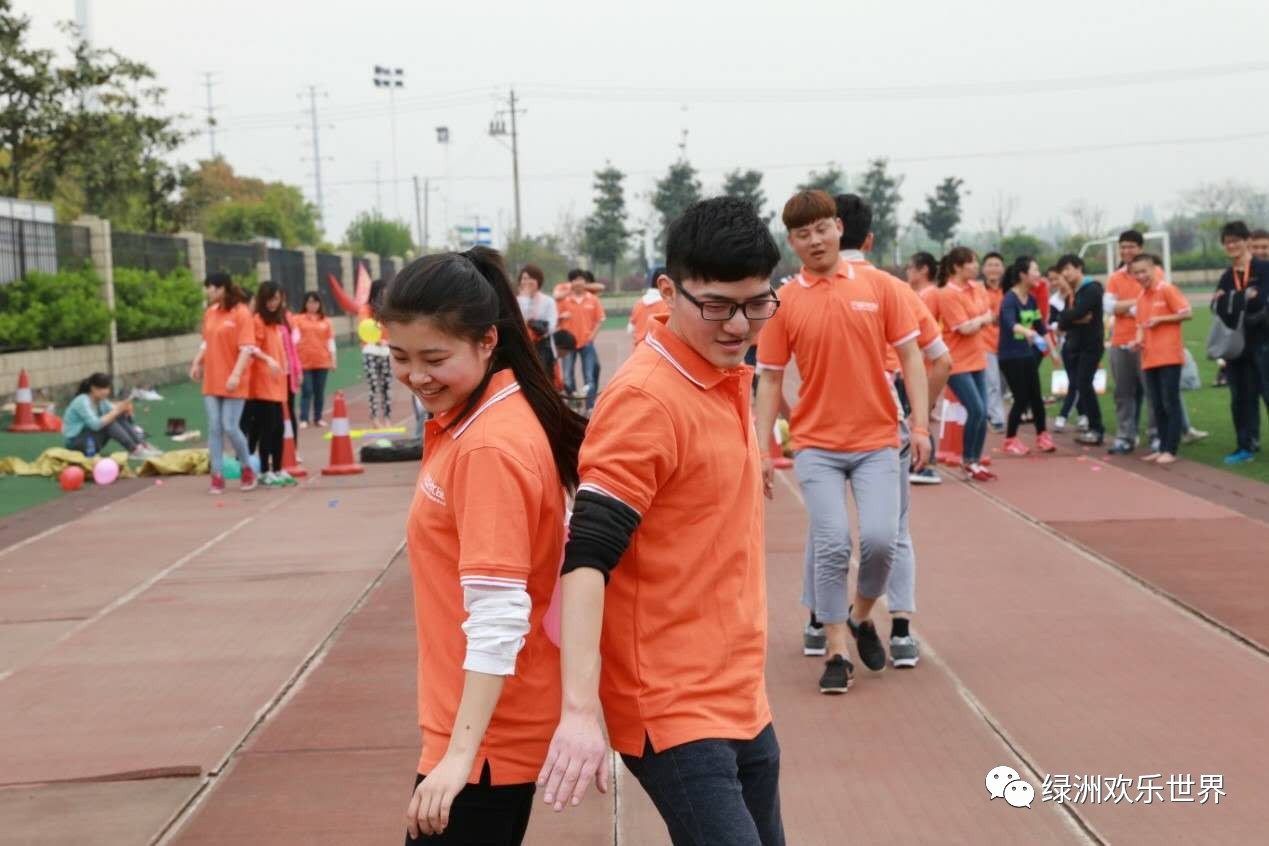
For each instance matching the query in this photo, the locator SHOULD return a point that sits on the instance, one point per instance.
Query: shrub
(148, 305)
(53, 310)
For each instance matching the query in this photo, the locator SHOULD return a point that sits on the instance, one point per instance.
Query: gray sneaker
(904, 652)
(814, 641)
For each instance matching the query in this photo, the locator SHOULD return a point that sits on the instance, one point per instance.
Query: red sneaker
(249, 481)
(1044, 443)
(979, 473)
(217, 485)
(1014, 446)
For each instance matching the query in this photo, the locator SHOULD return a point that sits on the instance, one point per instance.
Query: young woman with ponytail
(228, 346)
(965, 314)
(1022, 347)
(485, 535)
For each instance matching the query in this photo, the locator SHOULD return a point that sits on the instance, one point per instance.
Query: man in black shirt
(1241, 294)
(1085, 337)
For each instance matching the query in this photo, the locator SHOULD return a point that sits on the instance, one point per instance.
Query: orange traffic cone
(952, 431)
(23, 414)
(289, 464)
(341, 450)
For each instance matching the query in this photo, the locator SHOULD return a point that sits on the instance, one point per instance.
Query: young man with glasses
(838, 319)
(664, 591)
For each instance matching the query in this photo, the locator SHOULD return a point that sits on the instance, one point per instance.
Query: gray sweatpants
(901, 586)
(995, 396)
(1130, 394)
(874, 479)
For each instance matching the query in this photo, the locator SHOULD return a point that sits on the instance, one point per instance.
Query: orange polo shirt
(488, 510)
(685, 615)
(226, 332)
(839, 328)
(265, 384)
(315, 337)
(1124, 287)
(1162, 344)
(641, 317)
(958, 304)
(991, 334)
(581, 317)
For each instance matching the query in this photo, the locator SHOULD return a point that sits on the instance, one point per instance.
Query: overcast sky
(937, 87)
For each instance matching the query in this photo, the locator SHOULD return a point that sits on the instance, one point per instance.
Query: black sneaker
(871, 651)
(837, 675)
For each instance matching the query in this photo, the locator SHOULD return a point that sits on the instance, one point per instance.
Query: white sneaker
(1059, 424)
(1082, 423)
(1193, 436)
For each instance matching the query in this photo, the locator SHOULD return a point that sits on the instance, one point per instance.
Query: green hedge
(67, 309)
(148, 305)
(53, 310)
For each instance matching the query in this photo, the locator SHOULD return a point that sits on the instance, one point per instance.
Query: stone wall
(56, 373)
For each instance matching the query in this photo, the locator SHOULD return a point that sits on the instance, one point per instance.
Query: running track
(176, 671)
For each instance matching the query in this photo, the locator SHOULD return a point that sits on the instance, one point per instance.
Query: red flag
(346, 302)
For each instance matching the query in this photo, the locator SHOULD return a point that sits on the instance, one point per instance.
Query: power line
(918, 159)
(992, 88)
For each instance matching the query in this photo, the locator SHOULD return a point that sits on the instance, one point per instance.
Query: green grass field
(183, 399)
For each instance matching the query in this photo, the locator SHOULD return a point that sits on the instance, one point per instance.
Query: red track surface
(260, 654)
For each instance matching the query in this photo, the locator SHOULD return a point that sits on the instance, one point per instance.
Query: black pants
(715, 792)
(1248, 382)
(1086, 362)
(1163, 384)
(262, 424)
(290, 408)
(1022, 375)
(122, 429)
(1068, 363)
(484, 815)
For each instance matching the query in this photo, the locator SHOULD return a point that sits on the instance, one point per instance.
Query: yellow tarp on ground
(181, 462)
(55, 459)
(178, 462)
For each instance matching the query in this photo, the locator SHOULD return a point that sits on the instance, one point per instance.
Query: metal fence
(235, 259)
(32, 245)
(286, 269)
(160, 253)
(329, 265)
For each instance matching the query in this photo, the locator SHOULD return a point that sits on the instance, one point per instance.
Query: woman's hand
(195, 372)
(231, 384)
(428, 812)
(274, 367)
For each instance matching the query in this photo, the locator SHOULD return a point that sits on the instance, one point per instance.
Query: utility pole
(378, 191)
(498, 128)
(427, 196)
(418, 218)
(317, 152)
(208, 83)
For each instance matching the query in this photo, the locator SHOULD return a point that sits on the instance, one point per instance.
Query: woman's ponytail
(466, 293)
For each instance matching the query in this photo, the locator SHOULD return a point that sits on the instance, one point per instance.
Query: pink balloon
(105, 471)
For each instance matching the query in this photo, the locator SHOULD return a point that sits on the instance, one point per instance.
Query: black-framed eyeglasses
(717, 310)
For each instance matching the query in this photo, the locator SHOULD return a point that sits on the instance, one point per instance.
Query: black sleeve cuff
(598, 533)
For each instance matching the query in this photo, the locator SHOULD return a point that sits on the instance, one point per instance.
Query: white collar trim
(498, 397)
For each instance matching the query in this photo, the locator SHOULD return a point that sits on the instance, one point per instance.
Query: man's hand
(428, 812)
(578, 753)
(768, 477)
(921, 450)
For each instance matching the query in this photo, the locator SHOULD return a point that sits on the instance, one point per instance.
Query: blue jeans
(313, 395)
(223, 415)
(971, 390)
(590, 372)
(715, 792)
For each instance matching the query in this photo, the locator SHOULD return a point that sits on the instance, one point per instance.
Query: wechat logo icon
(1005, 783)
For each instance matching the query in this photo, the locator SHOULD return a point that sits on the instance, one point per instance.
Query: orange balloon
(71, 478)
